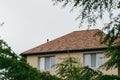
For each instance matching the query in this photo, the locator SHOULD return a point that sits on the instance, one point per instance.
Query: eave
(63, 51)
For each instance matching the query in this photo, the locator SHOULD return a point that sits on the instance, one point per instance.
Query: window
(47, 63)
(93, 60)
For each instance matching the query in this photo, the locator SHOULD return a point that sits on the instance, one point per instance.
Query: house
(84, 45)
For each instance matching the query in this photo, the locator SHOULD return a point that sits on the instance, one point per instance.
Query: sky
(29, 23)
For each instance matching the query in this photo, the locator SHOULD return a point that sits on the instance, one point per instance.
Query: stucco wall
(33, 60)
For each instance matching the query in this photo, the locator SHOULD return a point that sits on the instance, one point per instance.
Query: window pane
(99, 60)
(87, 60)
(47, 63)
(93, 60)
(52, 61)
(42, 64)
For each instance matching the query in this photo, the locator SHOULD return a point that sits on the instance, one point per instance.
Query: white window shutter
(87, 60)
(93, 60)
(47, 63)
(42, 64)
(99, 60)
(52, 61)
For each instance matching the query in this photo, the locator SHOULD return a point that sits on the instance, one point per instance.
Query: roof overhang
(63, 51)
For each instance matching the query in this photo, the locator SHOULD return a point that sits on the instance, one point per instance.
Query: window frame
(96, 53)
(50, 65)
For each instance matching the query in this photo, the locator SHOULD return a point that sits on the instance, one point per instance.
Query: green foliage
(87, 73)
(12, 67)
(108, 77)
(48, 76)
(69, 69)
(91, 10)
(113, 54)
(113, 31)
(118, 5)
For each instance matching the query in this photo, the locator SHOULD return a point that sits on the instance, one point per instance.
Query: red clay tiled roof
(72, 41)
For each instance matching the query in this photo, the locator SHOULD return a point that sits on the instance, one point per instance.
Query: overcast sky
(29, 23)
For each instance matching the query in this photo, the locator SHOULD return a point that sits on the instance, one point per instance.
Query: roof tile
(75, 40)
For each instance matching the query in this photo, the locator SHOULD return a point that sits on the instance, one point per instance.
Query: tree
(13, 67)
(113, 53)
(70, 69)
(91, 11)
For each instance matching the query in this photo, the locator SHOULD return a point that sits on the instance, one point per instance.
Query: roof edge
(63, 51)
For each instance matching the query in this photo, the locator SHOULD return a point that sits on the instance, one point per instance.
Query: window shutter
(99, 60)
(93, 60)
(42, 64)
(52, 61)
(47, 63)
(87, 60)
